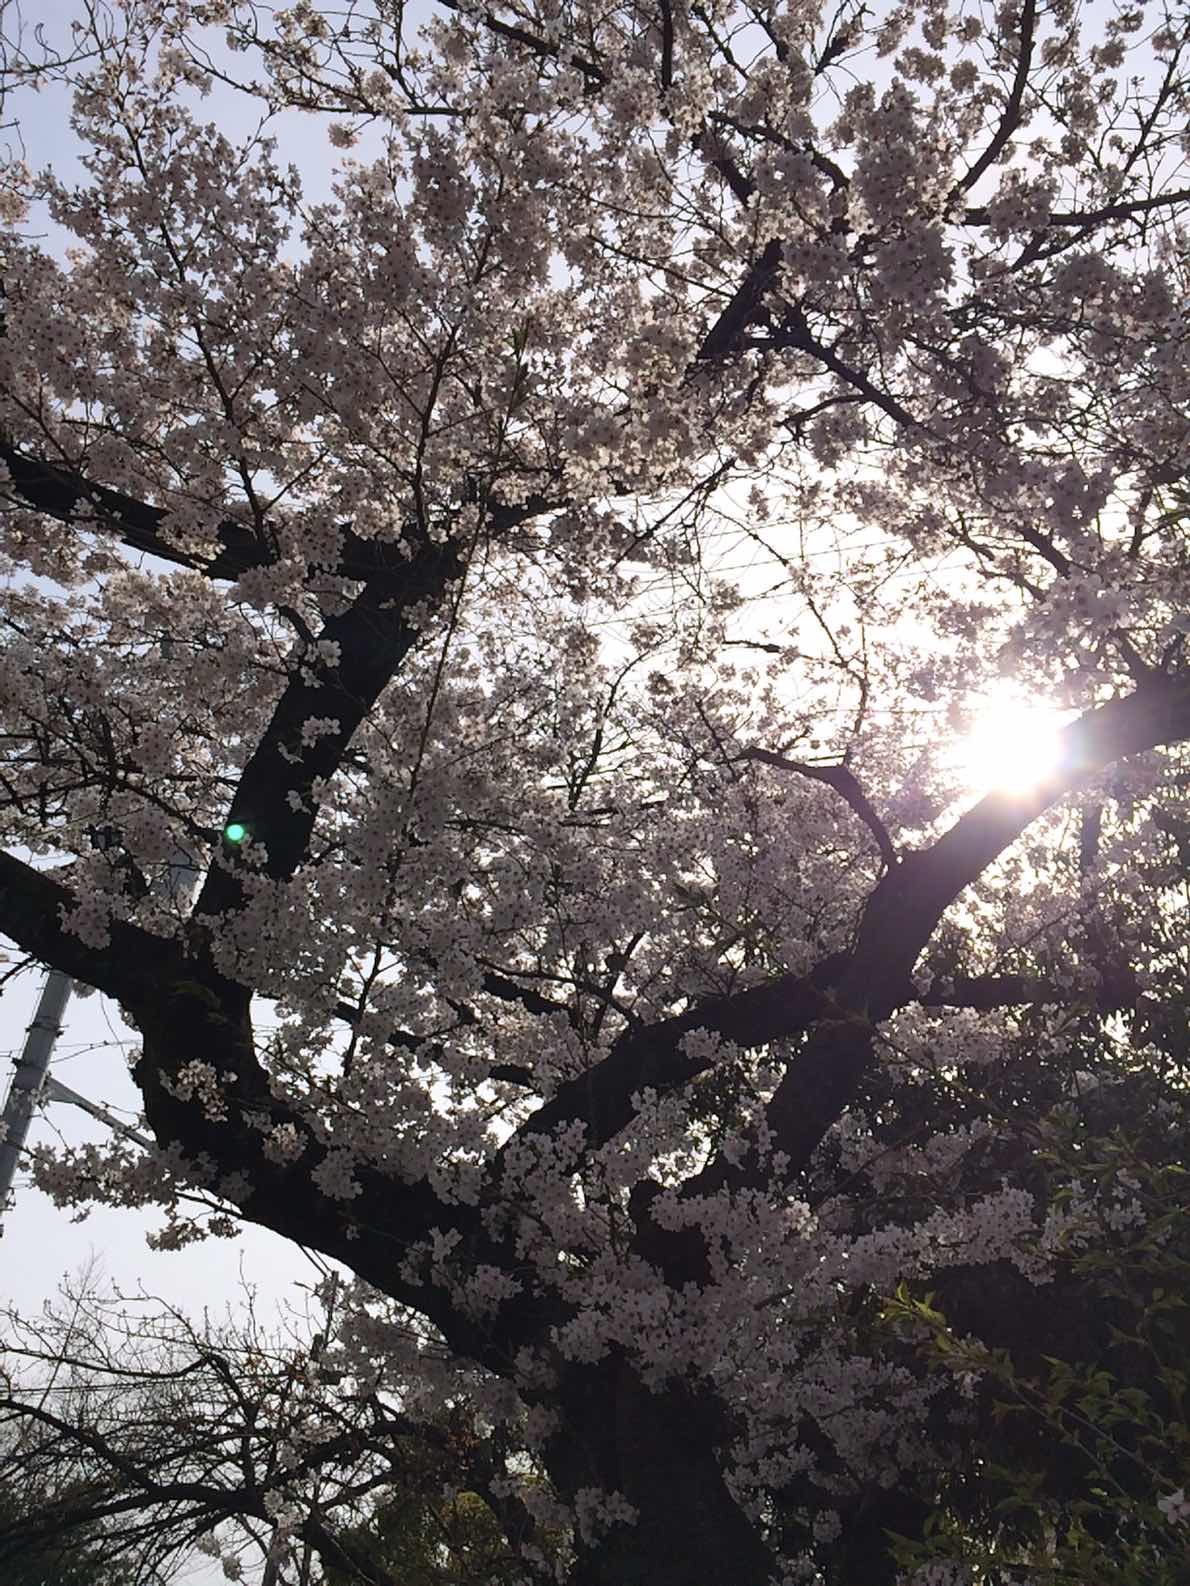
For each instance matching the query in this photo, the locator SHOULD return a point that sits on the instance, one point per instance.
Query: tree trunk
(658, 1451)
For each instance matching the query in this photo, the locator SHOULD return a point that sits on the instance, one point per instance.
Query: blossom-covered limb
(64, 494)
(908, 903)
(67, 495)
(845, 784)
(1010, 117)
(32, 908)
(1116, 992)
(275, 800)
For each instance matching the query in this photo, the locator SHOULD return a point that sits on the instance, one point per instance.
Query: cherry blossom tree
(536, 588)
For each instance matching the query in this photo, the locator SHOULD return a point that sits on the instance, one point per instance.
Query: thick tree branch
(667, 44)
(849, 992)
(1078, 218)
(274, 799)
(722, 338)
(792, 334)
(188, 1013)
(1155, 714)
(1117, 990)
(32, 907)
(909, 902)
(795, 334)
(653, 1057)
(69, 497)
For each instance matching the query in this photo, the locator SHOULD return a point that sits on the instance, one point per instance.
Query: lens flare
(1009, 747)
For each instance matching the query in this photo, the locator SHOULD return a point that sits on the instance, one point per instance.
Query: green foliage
(66, 1557)
(423, 1539)
(1080, 1458)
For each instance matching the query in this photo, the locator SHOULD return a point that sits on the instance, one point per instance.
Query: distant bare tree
(132, 1437)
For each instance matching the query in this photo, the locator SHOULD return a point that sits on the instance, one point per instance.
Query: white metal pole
(55, 1090)
(29, 1078)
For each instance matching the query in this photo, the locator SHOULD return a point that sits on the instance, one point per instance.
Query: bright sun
(1011, 746)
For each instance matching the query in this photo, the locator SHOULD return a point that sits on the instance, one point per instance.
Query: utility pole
(29, 1078)
(31, 1081)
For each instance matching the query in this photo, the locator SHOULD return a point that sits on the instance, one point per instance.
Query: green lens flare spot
(235, 832)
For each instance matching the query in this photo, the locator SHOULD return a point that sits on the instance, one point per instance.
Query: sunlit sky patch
(1010, 745)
